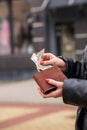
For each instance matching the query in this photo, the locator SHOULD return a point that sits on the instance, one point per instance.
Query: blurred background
(27, 26)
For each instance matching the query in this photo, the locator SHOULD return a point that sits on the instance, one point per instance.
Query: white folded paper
(37, 58)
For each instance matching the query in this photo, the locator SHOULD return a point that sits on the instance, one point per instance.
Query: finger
(42, 94)
(46, 56)
(48, 62)
(39, 89)
(53, 82)
(54, 94)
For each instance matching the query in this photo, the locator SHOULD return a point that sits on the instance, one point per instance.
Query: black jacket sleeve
(75, 92)
(73, 68)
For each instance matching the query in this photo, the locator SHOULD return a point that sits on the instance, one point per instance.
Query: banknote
(37, 57)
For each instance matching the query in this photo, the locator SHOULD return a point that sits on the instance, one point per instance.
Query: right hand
(50, 59)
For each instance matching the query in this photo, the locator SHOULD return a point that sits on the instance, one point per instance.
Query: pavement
(36, 117)
(22, 108)
(23, 91)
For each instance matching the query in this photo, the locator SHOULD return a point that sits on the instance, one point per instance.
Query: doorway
(65, 39)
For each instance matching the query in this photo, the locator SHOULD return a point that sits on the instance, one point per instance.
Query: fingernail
(42, 62)
(47, 80)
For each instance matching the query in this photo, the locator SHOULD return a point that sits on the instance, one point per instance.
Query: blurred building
(58, 26)
(64, 25)
(15, 55)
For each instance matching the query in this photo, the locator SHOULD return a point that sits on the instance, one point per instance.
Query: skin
(50, 59)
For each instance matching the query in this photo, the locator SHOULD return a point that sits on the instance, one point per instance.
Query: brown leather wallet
(50, 73)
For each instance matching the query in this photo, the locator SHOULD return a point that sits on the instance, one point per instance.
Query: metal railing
(41, 8)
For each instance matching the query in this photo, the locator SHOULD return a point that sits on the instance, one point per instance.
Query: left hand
(55, 94)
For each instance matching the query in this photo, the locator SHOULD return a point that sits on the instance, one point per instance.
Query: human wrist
(64, 63)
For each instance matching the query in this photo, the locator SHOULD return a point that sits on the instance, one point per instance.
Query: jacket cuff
(68, 94)
(66, 61)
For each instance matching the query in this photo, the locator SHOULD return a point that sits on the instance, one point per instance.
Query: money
(37, 58)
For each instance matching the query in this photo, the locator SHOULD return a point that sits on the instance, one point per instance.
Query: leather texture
(52, 73)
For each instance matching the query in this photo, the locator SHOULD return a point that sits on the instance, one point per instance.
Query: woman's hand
(55, 94)
(50, 59)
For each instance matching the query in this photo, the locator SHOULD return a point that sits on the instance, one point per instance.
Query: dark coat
(75, 89)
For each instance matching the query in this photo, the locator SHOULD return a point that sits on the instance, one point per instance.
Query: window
(67, 40)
